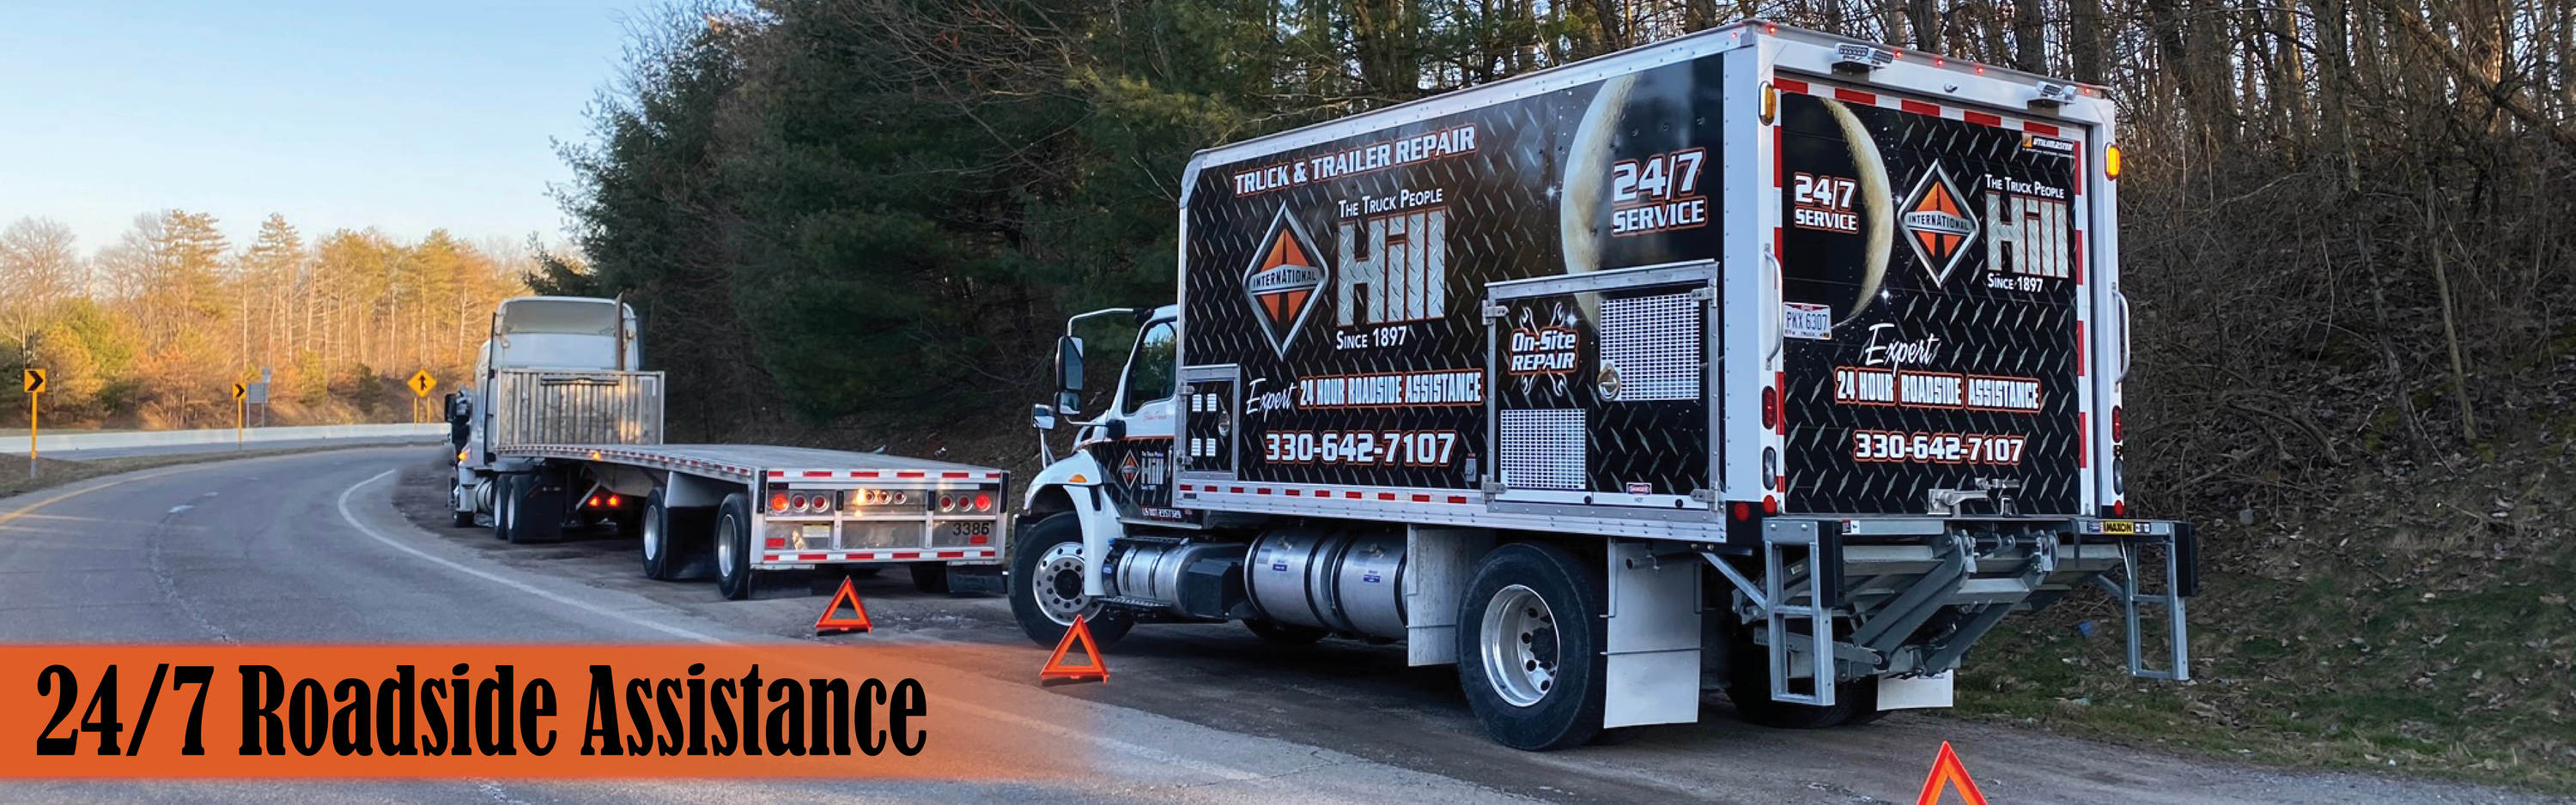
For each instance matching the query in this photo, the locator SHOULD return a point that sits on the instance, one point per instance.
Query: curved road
(318, 548)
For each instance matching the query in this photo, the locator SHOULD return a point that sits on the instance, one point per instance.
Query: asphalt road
(330, 547)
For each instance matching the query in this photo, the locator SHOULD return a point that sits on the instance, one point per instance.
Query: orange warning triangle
(858, 620)
(1949, 774)
(1057, 668)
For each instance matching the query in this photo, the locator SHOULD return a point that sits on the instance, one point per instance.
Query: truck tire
(656, 544)
(464, 519)
(930, 577)
(733, 547)
(1046, 586)
(505, 501)
(1530, 647)
(536, 510)
(1286, 634)
(1748, 685)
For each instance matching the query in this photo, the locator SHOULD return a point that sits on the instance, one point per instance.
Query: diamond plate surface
(1500, 208)
(1973, 326)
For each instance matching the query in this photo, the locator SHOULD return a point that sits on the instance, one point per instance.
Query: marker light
(2111, 162)
(1770, 103)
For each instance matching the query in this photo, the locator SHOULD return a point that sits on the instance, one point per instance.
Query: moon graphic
(1587, 168)
(1876, 202)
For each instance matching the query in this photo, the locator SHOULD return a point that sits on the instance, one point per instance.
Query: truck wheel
(1529, 647)
(733, 547)
(1046, 586)
(505, 504)
(656, 543)
(464, 519)
(1749, 687)
(1286, 634)
(931, 577)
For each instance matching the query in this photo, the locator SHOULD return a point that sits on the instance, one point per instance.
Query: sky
(404, 116)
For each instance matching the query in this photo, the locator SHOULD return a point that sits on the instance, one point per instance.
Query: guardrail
(73, 442)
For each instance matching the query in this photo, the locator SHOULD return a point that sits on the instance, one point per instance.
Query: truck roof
(567, 315)
(1678, 48)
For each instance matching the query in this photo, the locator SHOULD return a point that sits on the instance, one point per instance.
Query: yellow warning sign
(35, 380)
(421, 383)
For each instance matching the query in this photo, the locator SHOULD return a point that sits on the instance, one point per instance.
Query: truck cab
(557, 333)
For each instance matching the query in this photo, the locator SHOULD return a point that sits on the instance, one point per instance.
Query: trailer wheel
(1286, 634)
(930, 577)
(733, 547)
(1046, 585)
(1749, 687)
(1529, 647)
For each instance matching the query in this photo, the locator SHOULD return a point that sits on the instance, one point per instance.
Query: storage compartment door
(1601, 388)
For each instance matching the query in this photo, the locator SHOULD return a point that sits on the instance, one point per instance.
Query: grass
(2390, 629)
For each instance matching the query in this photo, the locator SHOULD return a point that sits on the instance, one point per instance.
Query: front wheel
(1530, 647)
(1046, 586)
(733, 547)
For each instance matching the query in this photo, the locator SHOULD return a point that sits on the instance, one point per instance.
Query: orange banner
(501, 711)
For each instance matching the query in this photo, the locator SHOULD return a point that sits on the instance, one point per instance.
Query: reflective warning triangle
(1949, 774)
(1057, 668)
(858, 620)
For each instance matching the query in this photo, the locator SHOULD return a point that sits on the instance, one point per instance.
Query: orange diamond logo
(1938, 224)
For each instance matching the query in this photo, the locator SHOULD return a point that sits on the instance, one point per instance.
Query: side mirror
(1068, 376)
(1043, 417)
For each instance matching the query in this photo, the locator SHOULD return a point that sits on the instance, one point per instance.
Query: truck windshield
(1149, 370)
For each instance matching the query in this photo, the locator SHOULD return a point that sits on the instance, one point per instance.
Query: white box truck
(1758, 359)
(561, 430)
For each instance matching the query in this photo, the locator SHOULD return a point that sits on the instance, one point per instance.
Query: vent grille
(1654, 344)
(1543, 448)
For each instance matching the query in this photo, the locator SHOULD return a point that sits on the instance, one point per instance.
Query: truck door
(1601, 392)
(1139, 463)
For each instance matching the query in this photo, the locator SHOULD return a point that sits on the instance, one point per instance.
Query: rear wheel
(1529, 647)
(1046, 586)
(505, 505)
(930, 577)
(464, 519)
(733, 547)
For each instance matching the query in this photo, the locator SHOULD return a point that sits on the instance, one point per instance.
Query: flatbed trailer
(561, 432)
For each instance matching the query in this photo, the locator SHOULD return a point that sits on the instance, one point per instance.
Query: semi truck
(564, 431)
(1757, 360)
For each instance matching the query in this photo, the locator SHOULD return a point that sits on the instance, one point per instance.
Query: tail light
(1770, 407)
(778, 502)
(946, 503)
(2119, 425)
(983, 503)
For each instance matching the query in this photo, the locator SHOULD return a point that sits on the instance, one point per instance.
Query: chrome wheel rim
(1521, 649)
(725, 557)
(652, 535)
(1056, 586)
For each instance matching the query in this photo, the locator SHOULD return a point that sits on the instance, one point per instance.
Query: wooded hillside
(152, 331)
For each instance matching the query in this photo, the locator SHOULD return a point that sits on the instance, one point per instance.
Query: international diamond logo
(1937, 223)
(1282, 280)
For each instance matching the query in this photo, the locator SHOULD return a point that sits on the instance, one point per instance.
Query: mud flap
(1653, 627)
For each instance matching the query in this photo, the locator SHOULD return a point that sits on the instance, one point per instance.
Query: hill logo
(1282, 279)
(1937, 224)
